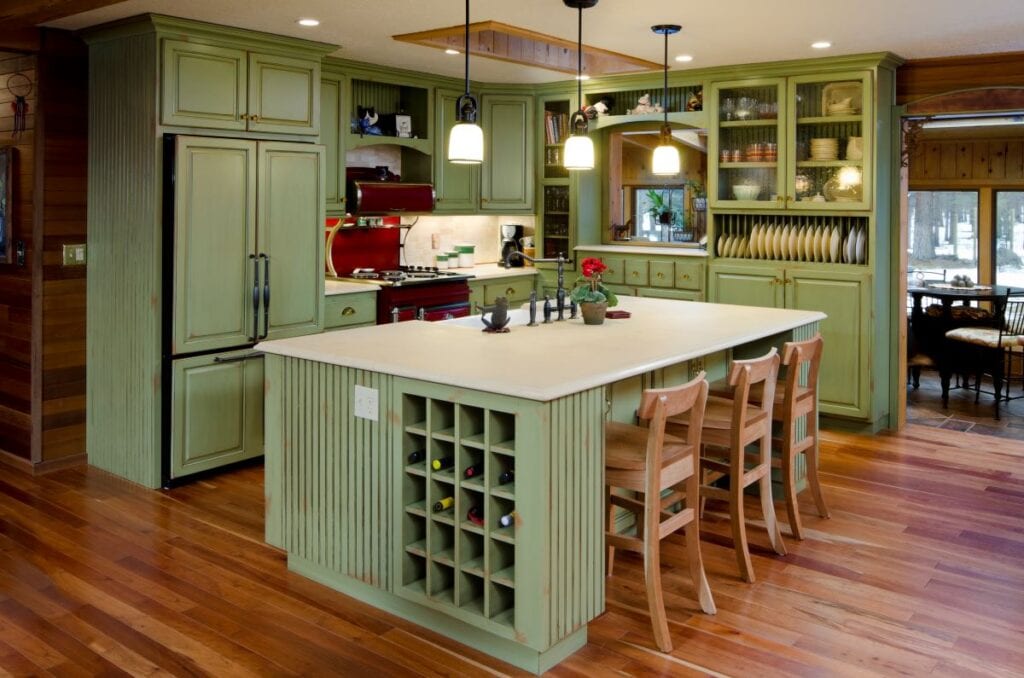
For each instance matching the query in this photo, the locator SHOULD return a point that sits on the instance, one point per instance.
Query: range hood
(377, 191)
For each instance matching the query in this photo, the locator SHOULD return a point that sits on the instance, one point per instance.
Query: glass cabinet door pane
(830, 149)
(556, 222)
(750, 136)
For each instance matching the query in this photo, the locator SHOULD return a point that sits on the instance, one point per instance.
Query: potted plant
(700, 199)
(662, 212)
(590, 293)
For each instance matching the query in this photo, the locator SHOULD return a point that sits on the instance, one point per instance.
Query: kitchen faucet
(561, 261)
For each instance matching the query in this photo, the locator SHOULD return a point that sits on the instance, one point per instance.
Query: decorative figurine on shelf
(600, 108)
(644, 105)
(499, 316)
(696, 101)
(622, 232)
(366, 122)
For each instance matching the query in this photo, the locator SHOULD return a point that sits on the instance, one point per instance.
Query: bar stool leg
(655, 597)
(610, 513)
(789, 483)
(739, 531)
(812, 457)
(692, 531)
(767, 507)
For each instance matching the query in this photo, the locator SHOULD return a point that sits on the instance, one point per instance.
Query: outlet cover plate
(366, 403)
(73, 255)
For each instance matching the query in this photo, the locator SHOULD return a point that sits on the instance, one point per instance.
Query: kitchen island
(508, 559)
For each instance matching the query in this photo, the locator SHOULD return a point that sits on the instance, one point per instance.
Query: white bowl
(745, 192)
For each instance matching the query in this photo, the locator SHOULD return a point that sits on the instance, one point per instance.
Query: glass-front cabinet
(747, 119)
(830, 153)
(556, 231)
(803, 142)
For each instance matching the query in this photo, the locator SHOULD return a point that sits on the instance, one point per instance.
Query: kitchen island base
(467, 506)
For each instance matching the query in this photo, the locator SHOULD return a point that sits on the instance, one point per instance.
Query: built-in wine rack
(781, 237)
(449, 556)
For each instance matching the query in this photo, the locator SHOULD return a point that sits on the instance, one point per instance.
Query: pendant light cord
(467, 47)
(579, 59)
(664, 91)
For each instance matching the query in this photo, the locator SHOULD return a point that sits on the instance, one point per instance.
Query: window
(944, 232)
(659, 213)
(1009, 215)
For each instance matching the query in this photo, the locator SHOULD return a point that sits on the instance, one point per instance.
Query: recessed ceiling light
(684, 58)
(583, 76)
(821, 44)
(308, 22)
(451, 51)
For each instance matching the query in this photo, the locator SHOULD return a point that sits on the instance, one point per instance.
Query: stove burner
(364, 274)
(422, 274)
(392, 276)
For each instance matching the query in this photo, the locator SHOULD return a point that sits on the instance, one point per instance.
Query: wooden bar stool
(647, 461)
(730, 425)
(792, 402)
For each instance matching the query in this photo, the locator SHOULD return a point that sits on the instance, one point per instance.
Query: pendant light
(466, 141)
(579, 148)
(666, 156)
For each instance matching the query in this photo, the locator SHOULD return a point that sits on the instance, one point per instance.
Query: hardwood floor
(919, 571)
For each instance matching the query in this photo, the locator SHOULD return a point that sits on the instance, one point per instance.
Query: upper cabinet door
(332, 135)
(284, 94)
(508, 170)
(204, 86)
(290, 235)
(214, 238)
(457, 187)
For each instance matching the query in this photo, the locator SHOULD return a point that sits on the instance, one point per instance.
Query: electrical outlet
(367, 403)
(73, 255)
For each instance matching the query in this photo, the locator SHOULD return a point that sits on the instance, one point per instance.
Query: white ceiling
(715, 33)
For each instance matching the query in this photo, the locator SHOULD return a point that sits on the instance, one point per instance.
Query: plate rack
(800, 238)
(467, 567)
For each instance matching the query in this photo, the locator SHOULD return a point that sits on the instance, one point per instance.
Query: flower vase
(593, 312)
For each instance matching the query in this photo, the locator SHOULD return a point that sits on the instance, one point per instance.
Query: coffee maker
(511, 236)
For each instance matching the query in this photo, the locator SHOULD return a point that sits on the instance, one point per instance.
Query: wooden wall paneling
(980, 168)
(964, 161)
(920, 78)
(997, 160)
(1014, 160)
(64, 151)
(16, 281)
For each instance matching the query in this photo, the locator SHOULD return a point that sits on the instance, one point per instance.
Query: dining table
(930, 328)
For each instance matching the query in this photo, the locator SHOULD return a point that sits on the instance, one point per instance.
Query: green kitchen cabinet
(507, 183)
(845, 296)
(456, 186)
(216, 411)
(230, 88)
(636, 272)
(662, 276)
(663, 293)
(515, 288)
(356, 309)
(333, 128)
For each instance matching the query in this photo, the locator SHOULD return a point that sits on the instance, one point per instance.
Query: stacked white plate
(792, 242)
(824, 149)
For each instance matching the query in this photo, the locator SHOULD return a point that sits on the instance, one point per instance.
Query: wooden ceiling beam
(22, 14)
(495, 40)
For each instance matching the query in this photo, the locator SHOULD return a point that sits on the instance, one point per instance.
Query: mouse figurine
(499, 316)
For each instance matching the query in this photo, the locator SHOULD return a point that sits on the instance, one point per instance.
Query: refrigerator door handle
(237, 358)
(266, 295)
(255, 297)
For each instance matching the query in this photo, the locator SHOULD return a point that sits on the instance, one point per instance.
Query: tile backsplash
(481, 230)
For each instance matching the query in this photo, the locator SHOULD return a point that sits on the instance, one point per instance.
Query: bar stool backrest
(657, 405)
(794, 355)
(753, 382)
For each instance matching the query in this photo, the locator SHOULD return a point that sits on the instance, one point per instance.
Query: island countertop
(549, 361)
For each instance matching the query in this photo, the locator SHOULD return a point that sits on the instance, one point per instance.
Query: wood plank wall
(968, 163)
(922, 78)
(16, 281)
(64, 103)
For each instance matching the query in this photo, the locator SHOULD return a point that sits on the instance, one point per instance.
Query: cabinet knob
(686, 276)
(348, 310)
(636, 274)
(255, 118)
(510, 291)
(660, 275)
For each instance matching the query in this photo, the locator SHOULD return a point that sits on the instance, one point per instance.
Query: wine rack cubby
(456, 551)
(780, 237)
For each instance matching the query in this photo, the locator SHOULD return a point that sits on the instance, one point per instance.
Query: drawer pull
(660, 276)
(636, 274)
(510, 291)
(686, 276)
(348, 310)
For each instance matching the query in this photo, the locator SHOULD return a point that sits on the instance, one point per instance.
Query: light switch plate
(367, 402)
(73, 255)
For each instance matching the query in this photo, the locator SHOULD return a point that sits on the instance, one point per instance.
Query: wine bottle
(474, 470)
(508, 519)
(507, 477)
(442, 463)
(475, 515)
(443, 504)
(416, 456)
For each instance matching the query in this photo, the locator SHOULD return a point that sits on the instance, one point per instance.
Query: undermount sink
(517, 318)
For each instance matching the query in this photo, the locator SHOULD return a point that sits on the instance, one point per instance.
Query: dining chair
(730, 425)
(647, 460)
(993, 350)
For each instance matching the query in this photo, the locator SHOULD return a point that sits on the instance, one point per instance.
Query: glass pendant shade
(579, 153)
(466, 144)
(666, 160)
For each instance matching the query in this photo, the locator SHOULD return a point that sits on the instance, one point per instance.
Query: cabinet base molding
(512, 652)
